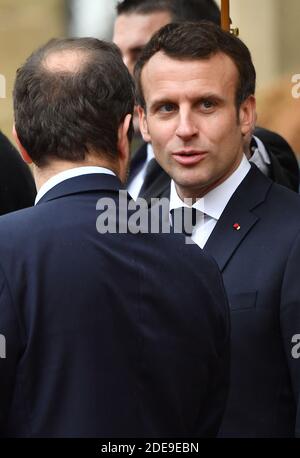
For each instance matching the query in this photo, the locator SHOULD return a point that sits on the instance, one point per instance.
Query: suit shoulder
(284, 195)
(280, 212)
(19, 222)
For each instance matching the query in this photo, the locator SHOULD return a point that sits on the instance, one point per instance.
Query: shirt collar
(214, 202)
(150, 153)
(261, 151)
(66, 174)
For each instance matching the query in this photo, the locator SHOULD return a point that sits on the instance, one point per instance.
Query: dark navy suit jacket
(260, 266)
(107, 335)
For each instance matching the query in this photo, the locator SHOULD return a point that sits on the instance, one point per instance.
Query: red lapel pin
(236, 226)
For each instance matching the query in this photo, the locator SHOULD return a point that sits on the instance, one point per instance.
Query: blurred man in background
(17, 188)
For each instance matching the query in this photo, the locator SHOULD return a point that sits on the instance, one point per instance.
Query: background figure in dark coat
(283, 167)
(107, 334)
(17, 188)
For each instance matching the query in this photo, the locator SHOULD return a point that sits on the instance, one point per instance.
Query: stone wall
(24, 25)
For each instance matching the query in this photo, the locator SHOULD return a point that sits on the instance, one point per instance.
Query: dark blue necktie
(184, 219)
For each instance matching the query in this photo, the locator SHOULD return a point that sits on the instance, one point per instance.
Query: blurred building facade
(24, 25)
(271, 31)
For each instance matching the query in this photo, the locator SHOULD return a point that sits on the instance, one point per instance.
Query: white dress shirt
(66, 174)
(260, 157)
(136, 184)
(212, 204)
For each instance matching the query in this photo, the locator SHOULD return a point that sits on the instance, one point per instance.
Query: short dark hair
(67, 114)
(180, 10)
(201, 40)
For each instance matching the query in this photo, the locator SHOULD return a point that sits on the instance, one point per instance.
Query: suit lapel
(238, 218)
(225, 238)
(159, 186)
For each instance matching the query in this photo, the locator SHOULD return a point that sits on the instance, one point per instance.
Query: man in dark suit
(17, 188)
(196, 86)
(137, 21)
(96, 345)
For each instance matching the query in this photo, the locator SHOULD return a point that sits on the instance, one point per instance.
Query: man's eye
(166, 108)
(207, 104)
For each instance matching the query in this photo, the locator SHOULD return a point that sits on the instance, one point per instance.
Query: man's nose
(187, 126)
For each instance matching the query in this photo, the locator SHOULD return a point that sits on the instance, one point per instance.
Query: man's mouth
(189, 157)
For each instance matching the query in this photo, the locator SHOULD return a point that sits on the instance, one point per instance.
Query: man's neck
(200, 191)
(43, 174)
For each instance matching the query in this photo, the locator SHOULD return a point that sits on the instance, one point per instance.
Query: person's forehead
(162, 73)
(134, 30)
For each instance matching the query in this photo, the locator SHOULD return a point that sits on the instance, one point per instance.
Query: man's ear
(247, 115)
(25, 156)
(143, 124)
(123, 142)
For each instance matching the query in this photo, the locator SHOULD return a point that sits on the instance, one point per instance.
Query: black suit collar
(238, 217)
(83, 183)
(159, 186)
(160, 179)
